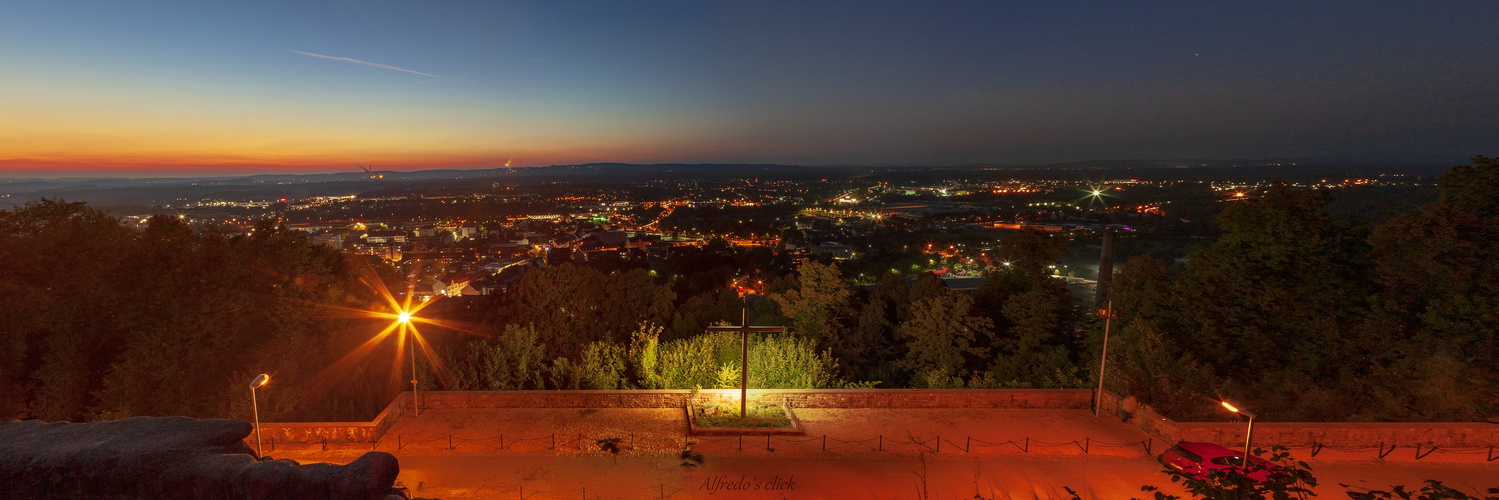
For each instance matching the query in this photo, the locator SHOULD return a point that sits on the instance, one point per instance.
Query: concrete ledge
(1305, 434)
(1291, 434)
(1347, 434)
(800, 398)
(332, 432)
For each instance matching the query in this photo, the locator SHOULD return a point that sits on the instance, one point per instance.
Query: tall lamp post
(1103, 361)
(405, 319)
(1248, 433)
(255, 405)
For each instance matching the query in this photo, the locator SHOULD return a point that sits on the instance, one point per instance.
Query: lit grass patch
(728, 416)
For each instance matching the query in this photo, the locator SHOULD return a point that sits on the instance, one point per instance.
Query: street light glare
(1230, 407)
(1097, 192)
(260, 380)
(404, 317)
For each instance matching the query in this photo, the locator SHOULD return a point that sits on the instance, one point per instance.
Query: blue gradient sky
(220, 87)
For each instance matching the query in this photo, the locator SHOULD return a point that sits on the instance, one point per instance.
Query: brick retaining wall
(1302, 434)
(1345, 434)
(332, 432)
(1351, 435)
(1151, 423)
(799, 398)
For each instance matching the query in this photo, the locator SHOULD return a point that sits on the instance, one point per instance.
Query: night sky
(207, 87)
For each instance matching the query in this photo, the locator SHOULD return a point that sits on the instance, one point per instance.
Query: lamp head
(260, 380)
(1238, 409)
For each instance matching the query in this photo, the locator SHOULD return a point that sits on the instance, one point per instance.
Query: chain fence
(522, 492)
(581, 443)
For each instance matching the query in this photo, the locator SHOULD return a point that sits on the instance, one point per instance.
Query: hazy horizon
(192, 89)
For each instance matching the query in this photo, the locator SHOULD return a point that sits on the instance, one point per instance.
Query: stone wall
(1303, 434)
(1155, 425)
(1151, 423)
(799, 398)
(1345, 434)
(331, 432)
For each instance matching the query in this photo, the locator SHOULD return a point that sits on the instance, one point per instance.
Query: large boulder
(167, 458)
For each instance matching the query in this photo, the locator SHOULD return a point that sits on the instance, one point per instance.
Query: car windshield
(1228, 461)
(1186, 454)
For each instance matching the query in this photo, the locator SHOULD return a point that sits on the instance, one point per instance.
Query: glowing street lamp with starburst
(403, 318)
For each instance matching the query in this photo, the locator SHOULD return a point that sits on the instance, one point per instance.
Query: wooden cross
(744, 330)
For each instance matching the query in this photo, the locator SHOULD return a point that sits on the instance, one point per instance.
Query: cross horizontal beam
(752, 329)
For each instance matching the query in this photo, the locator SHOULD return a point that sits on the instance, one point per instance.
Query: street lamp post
(1248, 433)
(416, 401)
(1103, 361)
(255, 406)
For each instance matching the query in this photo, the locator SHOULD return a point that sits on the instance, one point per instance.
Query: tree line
(102, 321)
(570, 327)
(1306, 318)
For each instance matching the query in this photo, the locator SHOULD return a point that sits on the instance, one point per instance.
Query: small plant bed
(724, 419)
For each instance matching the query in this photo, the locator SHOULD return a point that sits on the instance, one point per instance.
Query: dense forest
(1310, 319)
(102, 321)
(1298, 314)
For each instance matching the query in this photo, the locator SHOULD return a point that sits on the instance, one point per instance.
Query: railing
(907, 445)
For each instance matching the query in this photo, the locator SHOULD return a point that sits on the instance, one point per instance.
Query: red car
(1196, 459)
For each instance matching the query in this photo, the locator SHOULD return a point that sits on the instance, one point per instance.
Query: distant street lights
(255, 405)
(1248, 433)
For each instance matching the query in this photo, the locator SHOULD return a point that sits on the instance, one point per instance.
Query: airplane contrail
(367, 63)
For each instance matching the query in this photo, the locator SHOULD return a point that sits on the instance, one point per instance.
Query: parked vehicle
(1197, 459)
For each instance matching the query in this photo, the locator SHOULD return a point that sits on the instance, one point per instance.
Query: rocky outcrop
(168, 458)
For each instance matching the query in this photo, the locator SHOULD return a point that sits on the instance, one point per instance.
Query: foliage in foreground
(1288, 479)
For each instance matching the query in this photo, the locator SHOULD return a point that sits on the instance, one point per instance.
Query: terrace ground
(846, 453)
